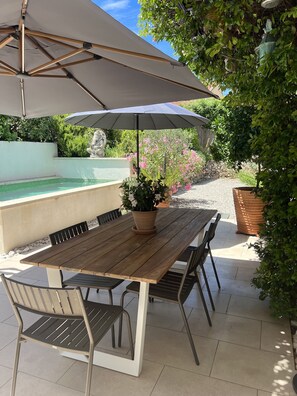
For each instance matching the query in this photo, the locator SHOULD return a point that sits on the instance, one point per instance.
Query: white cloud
(114, 5)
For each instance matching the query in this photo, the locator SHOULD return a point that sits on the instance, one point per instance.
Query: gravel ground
(209, 194)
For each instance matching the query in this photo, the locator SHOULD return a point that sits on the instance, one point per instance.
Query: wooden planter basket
(248, 210)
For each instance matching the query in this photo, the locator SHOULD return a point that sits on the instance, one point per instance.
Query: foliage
(72, 141)
(232, 128)
(29, 130)
(113, 147)
(240, 134)
(247, 176)
(142, 194)
(218, 40)
(166, 154)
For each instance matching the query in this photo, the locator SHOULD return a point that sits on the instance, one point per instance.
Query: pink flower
(174, 189)
(142, 165)
(188, 187)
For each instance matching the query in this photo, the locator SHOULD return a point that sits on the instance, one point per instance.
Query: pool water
(38, 187)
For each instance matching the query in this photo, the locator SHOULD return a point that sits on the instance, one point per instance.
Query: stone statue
(97, 145)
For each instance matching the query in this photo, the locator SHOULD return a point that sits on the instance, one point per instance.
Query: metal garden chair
(175, 287)
(109, 216)
(84, 280)
(68, 322)
(211, 234)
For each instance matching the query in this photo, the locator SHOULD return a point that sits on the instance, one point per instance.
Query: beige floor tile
(252, 308)
(221, 300)
(263, 393)
(173, 349)
(7, 334)
(42, 362)
(254, 368)
(228, 328)
(28, 385)
(245, 274)
(160, 314)
(5, 308)
(175, 382)
(276, 338)
(237, 262)
(5, 375)
(224, 271)
(110, 383)
(36, 273)
(238, 288)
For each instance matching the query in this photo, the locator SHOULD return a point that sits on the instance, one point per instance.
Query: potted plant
(142, 195)
(247, 201)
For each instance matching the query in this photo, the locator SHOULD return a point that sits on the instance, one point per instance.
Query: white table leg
(54, 277)
(117, 363)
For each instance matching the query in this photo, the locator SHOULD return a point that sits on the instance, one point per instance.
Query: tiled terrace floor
(245, 353)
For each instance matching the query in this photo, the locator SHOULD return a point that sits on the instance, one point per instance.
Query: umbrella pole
(137, 144)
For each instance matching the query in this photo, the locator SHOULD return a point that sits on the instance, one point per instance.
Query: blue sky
(126, 12)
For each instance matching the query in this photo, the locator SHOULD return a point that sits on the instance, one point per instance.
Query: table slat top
(114, 250)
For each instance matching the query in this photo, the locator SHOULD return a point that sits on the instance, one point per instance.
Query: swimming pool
(26, 216)
(24, 189)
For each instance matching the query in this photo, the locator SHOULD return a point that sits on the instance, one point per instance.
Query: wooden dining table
(115, 250)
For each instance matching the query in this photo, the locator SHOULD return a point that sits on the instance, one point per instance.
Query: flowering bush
(167, 154)
(142, 194)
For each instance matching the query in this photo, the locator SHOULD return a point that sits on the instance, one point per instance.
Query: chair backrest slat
(43, 300)
(197, 255)
(213, 227)
(109, 216)
(67, 233)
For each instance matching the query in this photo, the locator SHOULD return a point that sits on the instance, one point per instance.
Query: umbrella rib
(191, 125)
(69, 75)
(7, 30)
(56, 60)
(6, 73)
(6, 41)
(104, 47)
(172, 124)
(7, 66)
(155, 127)
(64, 65)
(119, 115)
(86, 90)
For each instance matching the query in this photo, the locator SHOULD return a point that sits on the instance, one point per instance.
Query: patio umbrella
(61, 56)
(151, 117)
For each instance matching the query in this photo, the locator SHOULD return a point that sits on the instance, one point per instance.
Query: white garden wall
(30, 160)
(92, 168)
(26, 160)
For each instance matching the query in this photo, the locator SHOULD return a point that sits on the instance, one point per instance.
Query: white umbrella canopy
(61, 56)
(151, 117)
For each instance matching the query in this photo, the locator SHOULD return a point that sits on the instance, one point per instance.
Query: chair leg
(16, 363)
(207, 287)
(112, 327)
(128, 321)
(89, 372)
(189, 333)
(214, 268)
(87, 294)
(121, 320)
(203, 300)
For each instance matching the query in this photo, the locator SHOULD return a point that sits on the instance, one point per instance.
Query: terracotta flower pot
(145, 221)
(248, 210)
